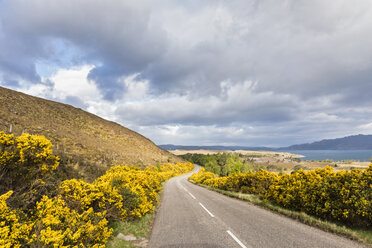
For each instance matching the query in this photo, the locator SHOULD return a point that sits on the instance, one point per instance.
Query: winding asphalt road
(192, 216)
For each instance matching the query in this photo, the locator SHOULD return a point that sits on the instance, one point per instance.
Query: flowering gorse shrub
(77, 213)
(26, 162)
(138, 188)
(59, 226)
(12, 232)
(27, 155)
(52, 225)
(81, 196)
(344, 196)
(134, 186)
(201, 176)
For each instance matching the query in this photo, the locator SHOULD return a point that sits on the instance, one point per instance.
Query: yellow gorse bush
(26, 153)
(57, 225)
(139, 188)
(12, 232)
(52, 225)
(80, 196)
(342, 196)
(203, 176)
(78, 215)
(25, 162)
(123, 192)
(135, 186)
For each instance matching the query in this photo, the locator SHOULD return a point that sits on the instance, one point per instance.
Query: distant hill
(170, 147)
(355, 142)
(86, 140)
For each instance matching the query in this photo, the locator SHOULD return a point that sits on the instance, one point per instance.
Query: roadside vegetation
(227, 162)
(222, 164)
(341, 197)
(140, 229)
(363, 235)
(41, 208)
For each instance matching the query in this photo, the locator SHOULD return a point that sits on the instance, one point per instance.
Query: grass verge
(140, 228)
(362, 235)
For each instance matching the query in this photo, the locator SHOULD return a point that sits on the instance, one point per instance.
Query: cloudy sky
(198, 72)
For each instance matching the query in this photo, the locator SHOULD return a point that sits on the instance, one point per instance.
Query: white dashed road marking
(192, 195)
(206, 210)
(236, 239)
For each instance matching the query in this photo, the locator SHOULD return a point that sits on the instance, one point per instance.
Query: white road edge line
(206, 210)
(236, 239)
(192, 195)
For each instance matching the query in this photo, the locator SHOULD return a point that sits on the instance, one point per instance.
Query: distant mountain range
(355, 142)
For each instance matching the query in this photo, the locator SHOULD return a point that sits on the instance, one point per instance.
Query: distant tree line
(222, 164)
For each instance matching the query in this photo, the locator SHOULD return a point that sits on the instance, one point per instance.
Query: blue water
(335, 155)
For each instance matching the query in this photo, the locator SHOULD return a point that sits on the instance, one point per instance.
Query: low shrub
(77, 213)
(344, 196)
(56, 225)
(26, 163)
(80, 196)
(202, 176)
(13, 233)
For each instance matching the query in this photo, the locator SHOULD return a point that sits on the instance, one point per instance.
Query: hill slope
(81, 138)
(355, 142)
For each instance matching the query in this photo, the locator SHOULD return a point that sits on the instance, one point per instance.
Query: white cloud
(366, 127)
(136, 90)
(198, 72)
(74, 82)
(69, 85)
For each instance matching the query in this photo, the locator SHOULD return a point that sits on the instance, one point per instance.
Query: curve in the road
(192, 216)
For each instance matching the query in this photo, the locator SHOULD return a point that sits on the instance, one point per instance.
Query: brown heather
(83, 141)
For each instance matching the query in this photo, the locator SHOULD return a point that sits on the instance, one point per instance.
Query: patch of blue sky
(46, 69)
(64, 55)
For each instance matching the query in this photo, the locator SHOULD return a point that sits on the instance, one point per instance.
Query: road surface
(192, 216)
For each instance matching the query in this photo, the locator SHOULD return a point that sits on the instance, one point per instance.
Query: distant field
(244, 152)
(277, 161)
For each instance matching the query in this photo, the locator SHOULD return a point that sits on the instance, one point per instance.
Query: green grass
(364, 234)
(140, 229)
(358, 234)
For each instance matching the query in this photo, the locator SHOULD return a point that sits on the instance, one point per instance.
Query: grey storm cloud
(240, 104)
(310, 61)
(116, 34)
(289, 47)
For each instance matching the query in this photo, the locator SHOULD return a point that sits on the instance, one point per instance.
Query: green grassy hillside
(83, 140)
